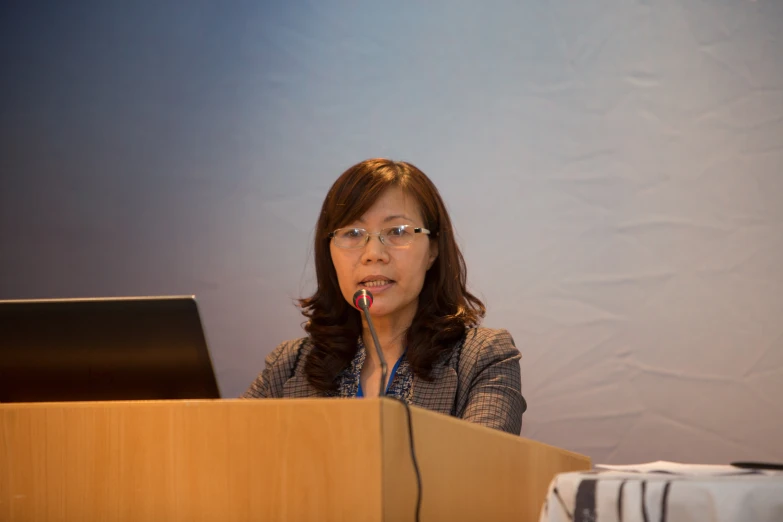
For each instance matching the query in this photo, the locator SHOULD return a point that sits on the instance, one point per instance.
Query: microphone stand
(384, 368)
(364, 298)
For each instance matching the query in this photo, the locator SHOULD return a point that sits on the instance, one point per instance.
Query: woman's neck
(391, 337)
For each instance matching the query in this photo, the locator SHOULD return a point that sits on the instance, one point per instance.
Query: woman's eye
(352, 233)
(397, 231)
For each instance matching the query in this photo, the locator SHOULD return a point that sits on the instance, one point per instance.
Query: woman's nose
(374, 250)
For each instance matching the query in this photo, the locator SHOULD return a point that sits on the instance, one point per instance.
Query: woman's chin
(378, 312)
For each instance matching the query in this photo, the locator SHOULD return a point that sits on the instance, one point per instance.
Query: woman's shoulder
(478, 338)
(279, 366)
(287, 353)
(485, 344)
(489, 389)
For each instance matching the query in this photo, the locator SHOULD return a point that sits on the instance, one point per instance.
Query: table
(665, 492)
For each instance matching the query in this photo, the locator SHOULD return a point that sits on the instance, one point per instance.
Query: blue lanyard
(360, 393)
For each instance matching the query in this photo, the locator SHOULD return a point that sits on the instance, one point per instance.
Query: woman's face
(393, 274)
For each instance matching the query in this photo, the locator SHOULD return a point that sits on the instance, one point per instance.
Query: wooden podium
(276, 460)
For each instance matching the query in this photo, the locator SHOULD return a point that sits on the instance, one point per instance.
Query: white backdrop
(614, 170)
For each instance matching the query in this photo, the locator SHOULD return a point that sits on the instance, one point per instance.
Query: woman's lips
(377, 286)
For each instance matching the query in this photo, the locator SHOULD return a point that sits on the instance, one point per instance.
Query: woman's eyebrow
(387, 219)
(397, 216)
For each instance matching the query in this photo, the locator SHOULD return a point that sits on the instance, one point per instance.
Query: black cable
(413, 456)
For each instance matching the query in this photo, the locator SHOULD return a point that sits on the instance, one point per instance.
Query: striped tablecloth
(665, 492)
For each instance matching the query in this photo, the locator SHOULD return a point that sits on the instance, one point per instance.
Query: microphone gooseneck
(362, 299)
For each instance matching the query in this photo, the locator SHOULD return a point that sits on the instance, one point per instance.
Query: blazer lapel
(439, 394)
(297, 387)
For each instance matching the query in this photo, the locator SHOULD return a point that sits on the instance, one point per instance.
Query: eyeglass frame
(416, 230)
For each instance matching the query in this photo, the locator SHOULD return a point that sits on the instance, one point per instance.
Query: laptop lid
(139, 348)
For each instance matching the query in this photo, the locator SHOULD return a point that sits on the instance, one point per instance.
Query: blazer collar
(438, 395)
(298, 387)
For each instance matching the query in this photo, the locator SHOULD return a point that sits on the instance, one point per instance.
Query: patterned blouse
(401, 386)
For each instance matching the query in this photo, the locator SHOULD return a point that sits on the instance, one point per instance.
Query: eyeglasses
(393, 236)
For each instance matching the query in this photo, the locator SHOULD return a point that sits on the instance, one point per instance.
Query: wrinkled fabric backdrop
(614, 170)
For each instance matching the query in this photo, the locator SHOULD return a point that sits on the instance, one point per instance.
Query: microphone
(362, 299)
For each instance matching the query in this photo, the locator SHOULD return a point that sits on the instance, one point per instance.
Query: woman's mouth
(376, 284)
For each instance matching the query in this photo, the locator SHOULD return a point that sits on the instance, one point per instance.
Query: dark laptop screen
(103, 349)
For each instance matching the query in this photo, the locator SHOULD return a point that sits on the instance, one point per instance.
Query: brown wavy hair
(446, 308)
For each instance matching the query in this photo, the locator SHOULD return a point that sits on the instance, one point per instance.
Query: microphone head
(362, 299)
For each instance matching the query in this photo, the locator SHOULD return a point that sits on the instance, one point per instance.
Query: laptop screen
(141, 348)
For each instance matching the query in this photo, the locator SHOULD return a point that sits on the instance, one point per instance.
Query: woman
(384, 228)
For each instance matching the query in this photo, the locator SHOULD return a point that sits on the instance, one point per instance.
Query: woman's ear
(433, 254)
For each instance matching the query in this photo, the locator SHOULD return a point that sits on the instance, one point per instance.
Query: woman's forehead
(392, 205)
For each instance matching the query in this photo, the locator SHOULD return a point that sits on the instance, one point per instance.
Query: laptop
(135, 348)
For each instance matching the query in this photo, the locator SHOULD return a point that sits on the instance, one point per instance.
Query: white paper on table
(677, 468)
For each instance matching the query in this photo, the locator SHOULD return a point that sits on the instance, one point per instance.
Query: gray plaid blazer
(480, 382)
